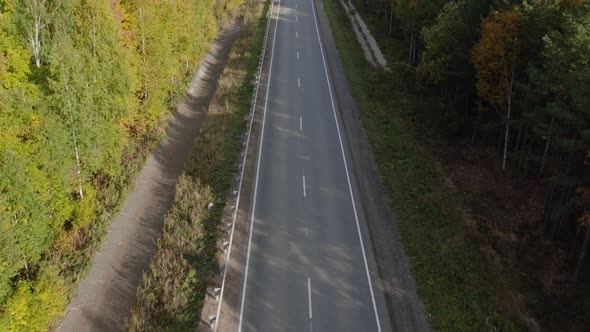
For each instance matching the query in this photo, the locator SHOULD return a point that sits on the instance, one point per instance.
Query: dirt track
(104, 298)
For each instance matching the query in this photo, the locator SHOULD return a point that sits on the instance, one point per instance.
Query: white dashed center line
(304, 191)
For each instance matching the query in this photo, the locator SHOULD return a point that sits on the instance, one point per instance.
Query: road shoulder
(238, 201)
(406, 311)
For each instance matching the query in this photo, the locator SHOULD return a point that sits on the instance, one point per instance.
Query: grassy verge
(460, 289)
(173, 288)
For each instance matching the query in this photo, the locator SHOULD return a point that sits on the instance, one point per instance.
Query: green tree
(563, 124)
(35, 304)
(414, 15)
(445, 60)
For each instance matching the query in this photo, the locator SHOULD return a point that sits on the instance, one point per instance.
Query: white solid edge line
(235, 214)
(358, 227)
(309, 296)
(272, 53)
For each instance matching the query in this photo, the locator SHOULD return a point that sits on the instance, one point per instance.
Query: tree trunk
(500, 139)
(143, 53)
(525, 152)
(391, 18)
(507, 132)
(547, 142)
(565, 194)
(410, 50)
(414, 49)
(76, 154)
(571, 156)
(516, 148)
(583, 252)
(467, 101)
(40, 16)
(94, 33)
(477, 117)
(547, 209)
(518, 137)
(509, 77)
(36, 40)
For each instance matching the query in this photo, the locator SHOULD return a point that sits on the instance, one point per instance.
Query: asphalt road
(309, 265)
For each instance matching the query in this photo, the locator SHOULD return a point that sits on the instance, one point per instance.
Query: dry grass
(166, 298)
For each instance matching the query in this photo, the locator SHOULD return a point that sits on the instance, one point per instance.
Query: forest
(86, 88)
(501, 89)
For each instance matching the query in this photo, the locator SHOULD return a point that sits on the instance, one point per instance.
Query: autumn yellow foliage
(495, 55)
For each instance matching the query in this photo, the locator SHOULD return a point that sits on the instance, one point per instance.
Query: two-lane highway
(307, 265)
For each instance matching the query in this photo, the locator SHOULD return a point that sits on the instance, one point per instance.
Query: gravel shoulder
(104, 298)
(240, 199)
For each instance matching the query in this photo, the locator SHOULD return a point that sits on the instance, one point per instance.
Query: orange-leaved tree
(495, 58)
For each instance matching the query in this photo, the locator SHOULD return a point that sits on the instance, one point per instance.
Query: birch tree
(36, 15)
(495, 58)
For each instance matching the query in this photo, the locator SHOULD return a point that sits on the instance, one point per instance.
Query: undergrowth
(455, 282)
